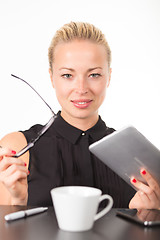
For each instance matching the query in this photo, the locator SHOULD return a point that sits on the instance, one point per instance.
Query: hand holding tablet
(128, 153)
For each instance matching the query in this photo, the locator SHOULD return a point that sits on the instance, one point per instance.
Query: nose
(81, 85)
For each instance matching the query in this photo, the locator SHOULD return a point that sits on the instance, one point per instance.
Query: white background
(132, 28)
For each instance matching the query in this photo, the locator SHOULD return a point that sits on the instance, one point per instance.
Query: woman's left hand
(147, 197)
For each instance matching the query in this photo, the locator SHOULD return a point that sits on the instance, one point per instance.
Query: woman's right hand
(13, 175)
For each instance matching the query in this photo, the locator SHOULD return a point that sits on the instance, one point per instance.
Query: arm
(13, 171)
(147, 197)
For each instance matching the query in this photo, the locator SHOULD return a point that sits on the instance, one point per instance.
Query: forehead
(80, 51)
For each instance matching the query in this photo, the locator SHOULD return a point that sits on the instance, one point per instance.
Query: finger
(6, 151)
(7, 161)
(10, 170)
(136, 202)
(145, 200)
(12, 174)
(16, 176)
(152, 183)
(14, 168)
(146, 194)
(139, 185)
(139, 201)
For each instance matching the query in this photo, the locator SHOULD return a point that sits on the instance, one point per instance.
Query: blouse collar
(72, 134)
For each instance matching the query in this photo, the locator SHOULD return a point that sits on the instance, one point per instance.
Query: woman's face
(80, 76)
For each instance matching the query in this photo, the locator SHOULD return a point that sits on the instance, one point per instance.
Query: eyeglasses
(44, 128)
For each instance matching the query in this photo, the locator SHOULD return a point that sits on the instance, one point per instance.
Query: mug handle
(106, 209)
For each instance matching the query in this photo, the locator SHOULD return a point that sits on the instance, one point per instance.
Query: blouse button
(83, 134)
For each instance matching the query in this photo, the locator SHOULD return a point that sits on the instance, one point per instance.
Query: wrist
(18, 201)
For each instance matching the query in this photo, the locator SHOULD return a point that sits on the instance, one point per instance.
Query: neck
(81, 123)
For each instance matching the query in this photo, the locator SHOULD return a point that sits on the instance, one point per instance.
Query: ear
(109, 77)
(51, 76)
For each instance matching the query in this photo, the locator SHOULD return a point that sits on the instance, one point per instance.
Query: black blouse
(61, 157)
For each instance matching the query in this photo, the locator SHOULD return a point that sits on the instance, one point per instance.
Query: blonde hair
(78, 30)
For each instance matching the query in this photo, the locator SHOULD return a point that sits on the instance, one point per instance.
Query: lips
(82, 103)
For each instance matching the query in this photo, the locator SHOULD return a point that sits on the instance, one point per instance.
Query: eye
(95, 75)
(67, 75)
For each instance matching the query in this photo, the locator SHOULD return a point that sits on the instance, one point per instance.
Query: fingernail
(28, 172)
(143, 172)
(134, 180)
(13, 152)
(25, 164)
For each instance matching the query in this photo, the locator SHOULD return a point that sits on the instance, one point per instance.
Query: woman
(79, 58)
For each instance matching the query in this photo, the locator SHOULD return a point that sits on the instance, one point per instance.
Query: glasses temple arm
(34, 91)
(34, 140)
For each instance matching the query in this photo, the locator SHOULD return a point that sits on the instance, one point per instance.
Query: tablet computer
(126, 152)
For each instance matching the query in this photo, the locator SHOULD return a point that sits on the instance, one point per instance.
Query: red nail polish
(143, 172)
(13, 152)
(25, 164)
(28, 172)
(134, 180)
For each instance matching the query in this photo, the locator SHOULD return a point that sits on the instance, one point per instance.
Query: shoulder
(32, 131)
(14, 140)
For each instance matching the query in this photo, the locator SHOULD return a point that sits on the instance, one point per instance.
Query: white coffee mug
(76, 207)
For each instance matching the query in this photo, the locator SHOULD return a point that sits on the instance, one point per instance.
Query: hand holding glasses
(44, 128)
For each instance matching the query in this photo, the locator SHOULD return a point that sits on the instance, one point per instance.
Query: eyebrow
(71, 69)
(65, 68)
(91, 69)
